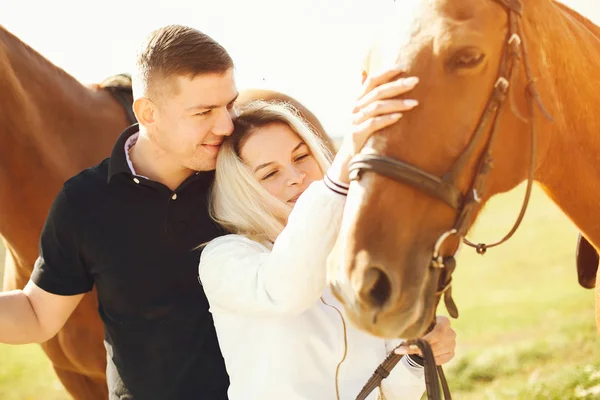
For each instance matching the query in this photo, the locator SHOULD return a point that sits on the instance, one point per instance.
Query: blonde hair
(238, 202)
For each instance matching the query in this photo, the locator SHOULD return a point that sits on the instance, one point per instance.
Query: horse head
(418, 185)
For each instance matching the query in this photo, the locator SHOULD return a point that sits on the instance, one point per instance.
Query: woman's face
(281, 162)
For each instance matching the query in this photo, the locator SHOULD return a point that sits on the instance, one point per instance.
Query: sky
(309, 49)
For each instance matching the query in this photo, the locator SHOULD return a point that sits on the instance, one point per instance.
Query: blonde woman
(282, 333)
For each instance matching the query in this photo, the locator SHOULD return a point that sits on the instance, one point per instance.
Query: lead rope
(381, 396)
(434, 374)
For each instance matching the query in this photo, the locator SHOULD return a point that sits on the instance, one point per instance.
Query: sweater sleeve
(242, 276)
(407, 379)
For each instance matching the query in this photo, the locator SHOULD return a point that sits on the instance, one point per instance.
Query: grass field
(525, 331)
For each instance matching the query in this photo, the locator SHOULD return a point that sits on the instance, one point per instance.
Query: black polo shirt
(135, 240)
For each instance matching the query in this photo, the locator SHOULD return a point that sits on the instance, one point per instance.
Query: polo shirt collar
(117, 163)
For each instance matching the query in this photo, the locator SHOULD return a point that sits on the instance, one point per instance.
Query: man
(129, 226)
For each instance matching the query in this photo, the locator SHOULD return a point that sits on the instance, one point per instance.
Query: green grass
(25, 374)
(526, 329)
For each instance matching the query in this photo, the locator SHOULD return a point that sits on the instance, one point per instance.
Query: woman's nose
(296, 177)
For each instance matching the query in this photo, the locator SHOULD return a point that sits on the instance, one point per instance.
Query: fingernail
(410, 81)
(396, 115)
(411, 103)
(401, 351)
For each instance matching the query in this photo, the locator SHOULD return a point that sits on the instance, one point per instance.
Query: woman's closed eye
(302, 157)
(269, 175)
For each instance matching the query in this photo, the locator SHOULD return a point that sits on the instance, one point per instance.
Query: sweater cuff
(415, 361)
(335, 185)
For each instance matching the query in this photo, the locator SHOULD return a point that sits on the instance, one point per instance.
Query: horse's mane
(29, 56)
(32, 57)
(119, 80)
(586, 22)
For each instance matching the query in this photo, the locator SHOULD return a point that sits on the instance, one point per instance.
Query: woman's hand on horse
(442, 340)
(376, 108)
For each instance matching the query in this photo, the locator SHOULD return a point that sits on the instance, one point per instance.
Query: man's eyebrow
(211, 106)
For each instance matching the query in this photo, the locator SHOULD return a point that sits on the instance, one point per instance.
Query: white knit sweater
(281, 331)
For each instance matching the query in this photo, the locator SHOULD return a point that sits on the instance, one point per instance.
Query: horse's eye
(467, 58)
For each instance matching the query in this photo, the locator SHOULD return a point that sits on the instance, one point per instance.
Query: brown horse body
(381, 266)
(52, 127)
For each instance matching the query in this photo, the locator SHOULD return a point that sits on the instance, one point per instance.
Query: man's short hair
(177, 50)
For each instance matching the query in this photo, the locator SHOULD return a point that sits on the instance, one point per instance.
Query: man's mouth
(212, 146)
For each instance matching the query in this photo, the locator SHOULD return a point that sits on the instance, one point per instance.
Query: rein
(433, 372)
(445, 189)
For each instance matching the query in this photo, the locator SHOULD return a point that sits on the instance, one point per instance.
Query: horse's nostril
(377, 288)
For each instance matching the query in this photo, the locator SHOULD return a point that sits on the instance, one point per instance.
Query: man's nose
(224, 124)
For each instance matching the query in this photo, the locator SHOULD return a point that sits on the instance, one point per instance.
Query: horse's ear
(587, 263)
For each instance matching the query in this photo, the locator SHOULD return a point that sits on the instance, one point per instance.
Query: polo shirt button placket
(136, 180)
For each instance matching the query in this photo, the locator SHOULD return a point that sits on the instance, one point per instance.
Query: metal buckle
(438, 260)
(515, 38)
(476, 196)
(354, 174)
(502, 84)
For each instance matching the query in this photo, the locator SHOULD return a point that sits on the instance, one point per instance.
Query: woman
(282, 333)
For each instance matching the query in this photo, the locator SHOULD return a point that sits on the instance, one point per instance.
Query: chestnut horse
(508, 93)
(52, 127)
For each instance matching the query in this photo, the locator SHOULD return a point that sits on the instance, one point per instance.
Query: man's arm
(33, 315)
(58, 281)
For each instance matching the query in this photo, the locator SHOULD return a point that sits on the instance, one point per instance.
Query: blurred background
(526, 328)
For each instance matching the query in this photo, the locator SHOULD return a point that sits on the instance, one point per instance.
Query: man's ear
(144, 110)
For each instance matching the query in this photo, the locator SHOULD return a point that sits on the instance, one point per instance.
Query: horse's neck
(593, 28)
(51, 112)
(566, 48)
(51, 127)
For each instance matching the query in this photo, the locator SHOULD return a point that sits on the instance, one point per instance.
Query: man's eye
(203, 112)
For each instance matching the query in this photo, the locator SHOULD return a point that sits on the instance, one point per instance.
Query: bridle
(445, 189)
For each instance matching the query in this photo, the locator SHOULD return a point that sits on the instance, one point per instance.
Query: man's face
(192, 118)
